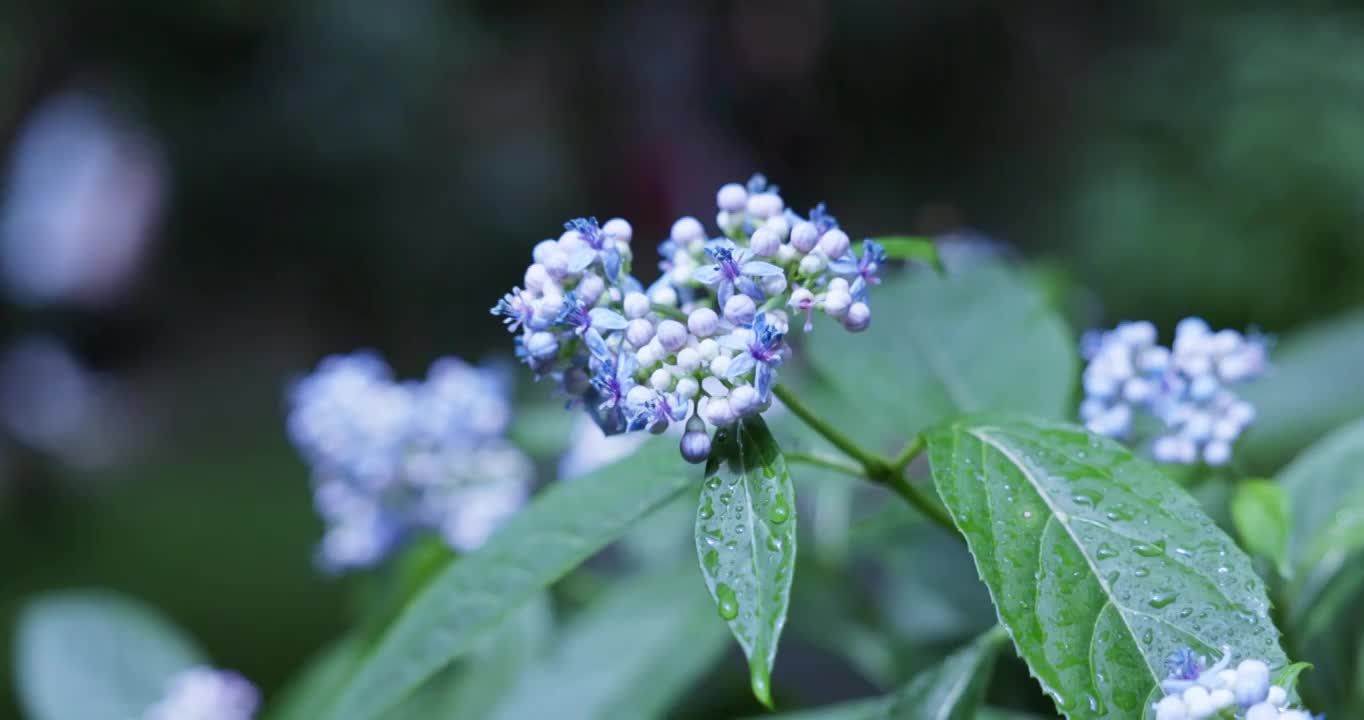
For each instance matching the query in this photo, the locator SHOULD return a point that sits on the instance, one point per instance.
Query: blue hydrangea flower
(823, 221)
(516, 309)
(600, 247)
(763, 353)
(614, 379)
(734, 268)
(589, 322)
(864, 268)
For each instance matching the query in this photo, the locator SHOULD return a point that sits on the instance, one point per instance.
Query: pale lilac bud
(687, 387)
(661, 380)
(542, 345)
(719, 364)
(686, 230)
(636, 305)
(672, 335)
(1137, 333)
(1153, 359)
(732, 198)
(542, 250)
(695, 444)
(664, 295)
(834, 244)
(708, 349)
(779, 225)
(570, 241)
(765, 242)
(639, 396)
(1221, 698)
(649, 355)
(702, 322)
(718, 412)
(727, 221)
(1252, 682)
(1199, 703)
(813, 264)
(590, 288)
(688, 360)
(1171, 707)
(786, 255)
(743, 400)
(618, 229)
(765, 205)
(547, 309)
(555, 261)
(1138, 390)
(740, 309)
(859, 317)
(1263, 711)
(639, 332)
(774, 284)
(1277, 696)
(801, 299)
(537, 277)
(839, 284)
(837, 303)
(715, 387)
(804, 236)
(1198, 427)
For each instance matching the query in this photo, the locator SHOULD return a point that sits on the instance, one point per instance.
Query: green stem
(922, 501)
(906, 456)
(872, 464)
(828, 463)
(668, 311)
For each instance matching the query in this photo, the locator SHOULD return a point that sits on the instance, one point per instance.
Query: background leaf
(558, 530)
(1098, 564)
(947, 345)
(917, 249)
(746, 541)
(1260, 511)
(88, 655)
(1325, 487)
(629, 656)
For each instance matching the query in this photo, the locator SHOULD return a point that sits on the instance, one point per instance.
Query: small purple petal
(708, 274)
(607, 319)
(580, 259)
(596, 345)
(767, 374)
(758, 268)
(740, 365)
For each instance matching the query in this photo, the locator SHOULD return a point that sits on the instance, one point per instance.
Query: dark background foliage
(342, 173)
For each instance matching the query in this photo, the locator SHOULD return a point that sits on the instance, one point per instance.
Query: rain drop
(726, 602)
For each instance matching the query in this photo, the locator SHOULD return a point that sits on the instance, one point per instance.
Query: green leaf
(630, 656)
(1287, 678)
(310, 693)
(942, 346)
(1260, 510)
(1325, 487)
(557, 531)
(1314, 387)
(746, 541)
(950, 690)
(89, 655)
(918, 249)
(1100, 566)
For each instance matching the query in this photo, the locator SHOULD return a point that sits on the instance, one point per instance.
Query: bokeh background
(200, 199)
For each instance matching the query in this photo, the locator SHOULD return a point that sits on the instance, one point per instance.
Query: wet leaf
(1325, 487)
(1260, 510)
(1100, 566)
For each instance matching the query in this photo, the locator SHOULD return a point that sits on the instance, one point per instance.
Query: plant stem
(890, 473)
(668, 311)
(829, 463)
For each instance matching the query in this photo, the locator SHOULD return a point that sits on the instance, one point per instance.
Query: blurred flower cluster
(203, 693)
(701, 344)
(391, 458)
(1195, 691)
(1186, 389)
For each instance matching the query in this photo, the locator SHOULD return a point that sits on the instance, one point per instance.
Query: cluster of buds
(204, 693)
(1195, 691)
(390, 459)
(702, 344)
(1186, 389)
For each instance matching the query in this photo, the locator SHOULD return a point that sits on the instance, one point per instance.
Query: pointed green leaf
(1325, 487)
(917, 249)
(629, 656)
(1099, 565)
(1287, 678)
(746, 541)
(1260, 510)
(96, 656)
(563, 526)
(951, 690)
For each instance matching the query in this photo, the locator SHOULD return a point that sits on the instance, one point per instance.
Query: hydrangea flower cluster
(1186, 389)
(391, 458)
(702, 343)
(203, 693)
(1195, 691)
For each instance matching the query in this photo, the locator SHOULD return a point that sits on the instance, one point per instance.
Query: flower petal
(580, 259)
(607, 319)
(758, 268)
(740, 365)
(708, 274)
(767, 374)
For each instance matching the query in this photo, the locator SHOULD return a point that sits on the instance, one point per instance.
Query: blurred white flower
(204, 693)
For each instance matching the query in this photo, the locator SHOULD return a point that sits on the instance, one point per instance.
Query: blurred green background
(203, 198)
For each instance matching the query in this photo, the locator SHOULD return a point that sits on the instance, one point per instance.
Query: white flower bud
(639, 332)
(1226, 679)
(719, 364)
(708, 349)
(1221, 698)
(859, 317)
(779, 225)
(1252, 682)
(661, 380)
(547, 309)
(702, 322)
(1263, 711)
(765, 242)
(542, 345)
(1198, 426)
(727, 221)
(839, 284)
(1225, 341)
(687, 229)
(649, 355)
(1153, 359)
(718, 412)
(1295, 715)
(695, 446)
(1138, 390)
(688, 360)
(1137, 333)
(740, 309)
(804, 236)
(542, 249)
(636, 305)
(786, 255)
(570, 241)
(672, 335)
(743, 400)
(1171, 707)
(1277, 696)
(639, 395)
(774, 284)
(837, 302)
(1217, 452)
(1198, 702)
(834, 244)
(590, 288)
(732, 198)
(801, 299)
(813, 264)
(1242, 413)
(619, 230)
(1113, 422)
(537, 277)
(664, 295)
(687, 387)
(765, 205)
(1203, 387)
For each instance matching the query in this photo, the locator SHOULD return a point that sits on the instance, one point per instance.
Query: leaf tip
(762, 685)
